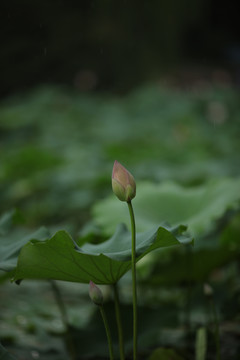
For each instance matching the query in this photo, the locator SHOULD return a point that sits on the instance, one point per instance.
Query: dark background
(114, 45)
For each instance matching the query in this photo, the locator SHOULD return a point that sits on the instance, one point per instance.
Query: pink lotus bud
(95, 294)
(123, 183)
(207, 289)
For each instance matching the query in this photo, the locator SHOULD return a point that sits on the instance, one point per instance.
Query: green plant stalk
(216, 331)
(63, 312)
(109, 338)
(134, 279)
(119, 322)
(189, 271)
(201, 344)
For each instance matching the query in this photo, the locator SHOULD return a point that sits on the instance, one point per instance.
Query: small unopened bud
(207, 289)
(123, 183)
(95, 294)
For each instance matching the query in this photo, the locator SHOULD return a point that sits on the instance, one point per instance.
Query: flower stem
(134, 279)
(216, 330)
(109, 338)
(63, 312)
(119, 322)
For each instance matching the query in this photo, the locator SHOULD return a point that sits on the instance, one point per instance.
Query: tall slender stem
(109, 338)
(134, 279)
(216, 330)
(119, 322)
(59, 301)
(63, 312)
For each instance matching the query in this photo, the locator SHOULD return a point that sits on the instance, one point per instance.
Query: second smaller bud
(95, 294)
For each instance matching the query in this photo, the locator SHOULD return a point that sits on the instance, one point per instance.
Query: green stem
(189, 271)
(216, 332)
(63, 312)
(107, 332)
(134, 279)
(119, 322)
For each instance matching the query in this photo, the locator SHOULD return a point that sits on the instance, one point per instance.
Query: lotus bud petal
(207, 289)
(95, 294)
(123, 183)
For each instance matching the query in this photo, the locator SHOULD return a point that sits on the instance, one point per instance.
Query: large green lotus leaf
(8, 219)
(60, 258)
(186, 267)
(12, 239)
(10, 246)
(168, 202)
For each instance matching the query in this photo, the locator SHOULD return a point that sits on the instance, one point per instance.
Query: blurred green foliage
(57, 147)
(198, 207)
(57, 151)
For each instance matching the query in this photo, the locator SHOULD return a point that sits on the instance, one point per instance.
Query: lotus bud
(207, 289)
(95, 294)
(123, 183)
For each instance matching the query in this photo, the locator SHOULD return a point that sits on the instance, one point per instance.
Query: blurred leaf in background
(57, 147)
(57, 151)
